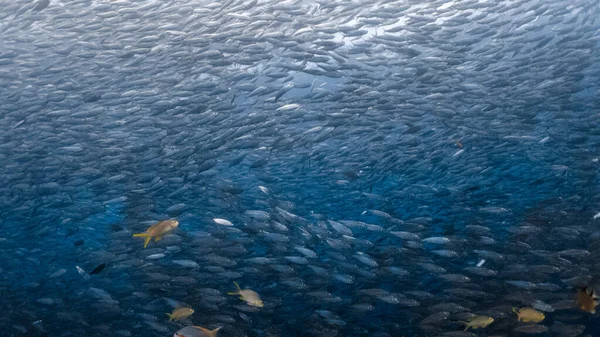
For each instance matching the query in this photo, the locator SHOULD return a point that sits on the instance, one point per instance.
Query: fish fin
(157, 238)
(232, 293)
(241, 298)
(213, 333)
(210, 333)
(237, 285)
(170, 317)
(146, 237)
(516, 312)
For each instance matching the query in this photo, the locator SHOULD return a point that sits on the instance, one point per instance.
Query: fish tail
(465, 323)
(146, 237)
(516, 312)
(170, 317)
(232, 293)
(238, 286)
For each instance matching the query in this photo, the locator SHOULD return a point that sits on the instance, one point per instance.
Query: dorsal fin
(213, 333)
(210, 333)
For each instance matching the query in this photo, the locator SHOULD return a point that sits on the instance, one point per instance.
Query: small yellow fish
(249, 296)
(180, 313)
(477, 322)
(196, 331)
(587, 300)
(158, 230)
(529, 315)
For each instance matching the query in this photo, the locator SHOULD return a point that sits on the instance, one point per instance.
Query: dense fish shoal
(306, 168)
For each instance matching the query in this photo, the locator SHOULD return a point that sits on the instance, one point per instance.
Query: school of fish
(324, 168)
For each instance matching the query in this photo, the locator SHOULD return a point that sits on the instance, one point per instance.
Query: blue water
(386, 169)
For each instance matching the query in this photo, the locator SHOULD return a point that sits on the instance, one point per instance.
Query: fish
(196, 331)
(531, 329)
(180, 313)
(249, 296)
(477, 322)
(222, 222)
(529, 315)
(158, 230)
(98, 269)
(41, 4)
(587, 301)
(340, 155)
(288, 107)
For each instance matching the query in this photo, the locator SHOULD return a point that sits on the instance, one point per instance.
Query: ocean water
(365, 168)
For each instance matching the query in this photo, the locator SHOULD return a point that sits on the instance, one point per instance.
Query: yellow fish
(158, 230)
(587, 300)
(478, 322)
(249, 296)
(529, 315)
(180, 313)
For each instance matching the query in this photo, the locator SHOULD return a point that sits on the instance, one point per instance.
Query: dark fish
(91, 97)
(98, 269)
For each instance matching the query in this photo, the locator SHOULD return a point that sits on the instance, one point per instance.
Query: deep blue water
(386, 168)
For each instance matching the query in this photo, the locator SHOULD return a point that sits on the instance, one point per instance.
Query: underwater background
(365, 168)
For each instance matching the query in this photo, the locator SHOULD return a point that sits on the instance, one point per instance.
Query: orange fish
(196, 331)
(587, 300)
